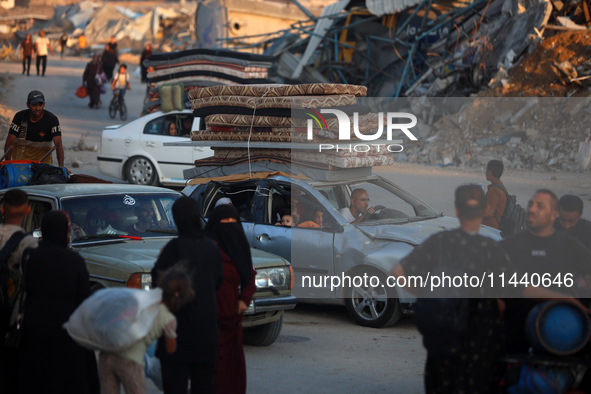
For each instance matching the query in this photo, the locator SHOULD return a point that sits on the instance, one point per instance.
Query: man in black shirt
(471, 364)
(537, 251)
(34, 131)
(570, 221)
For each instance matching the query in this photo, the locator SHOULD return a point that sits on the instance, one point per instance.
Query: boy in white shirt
(120, 83)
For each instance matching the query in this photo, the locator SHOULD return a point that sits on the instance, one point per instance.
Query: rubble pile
(541, 72)
(531, 134)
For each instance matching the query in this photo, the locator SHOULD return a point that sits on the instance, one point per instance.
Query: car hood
(134, 255)
(415, 233)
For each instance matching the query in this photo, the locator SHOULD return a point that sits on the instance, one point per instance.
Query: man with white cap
(33, 133)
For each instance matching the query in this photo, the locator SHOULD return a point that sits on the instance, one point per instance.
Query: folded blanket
(276, 102)
(279, 112)
(275, 90)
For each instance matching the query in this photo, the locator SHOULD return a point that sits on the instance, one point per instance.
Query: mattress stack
(201, 68)
(279, 114)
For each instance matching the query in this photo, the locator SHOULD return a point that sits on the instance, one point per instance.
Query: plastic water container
(15, 173)
(559, 327)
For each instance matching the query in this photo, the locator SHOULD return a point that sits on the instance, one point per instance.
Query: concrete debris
(169, 26)
(543, 139)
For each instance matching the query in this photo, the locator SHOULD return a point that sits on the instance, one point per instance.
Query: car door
(309, 249)
(171, 160)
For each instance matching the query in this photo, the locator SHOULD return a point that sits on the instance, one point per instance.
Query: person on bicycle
(120, 83)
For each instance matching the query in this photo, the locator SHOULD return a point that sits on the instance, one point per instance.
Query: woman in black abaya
(233, 297)
(56, 283)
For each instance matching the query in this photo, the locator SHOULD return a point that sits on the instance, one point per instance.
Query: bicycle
(117, 104)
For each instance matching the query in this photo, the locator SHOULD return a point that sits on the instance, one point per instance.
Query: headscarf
(55, 228)
(187, 217)
(231, 239)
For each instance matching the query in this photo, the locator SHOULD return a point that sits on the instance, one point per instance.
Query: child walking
(126, 367)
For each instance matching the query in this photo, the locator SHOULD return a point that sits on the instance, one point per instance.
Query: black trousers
(176, 376)
(26, 64)
(41, 59)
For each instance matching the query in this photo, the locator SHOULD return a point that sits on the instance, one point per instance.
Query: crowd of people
(207, 279)
(557, 240)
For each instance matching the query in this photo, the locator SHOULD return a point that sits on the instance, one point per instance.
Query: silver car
(331, 259)
(103, 217)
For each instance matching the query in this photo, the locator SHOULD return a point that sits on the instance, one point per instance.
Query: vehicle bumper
(271, 304)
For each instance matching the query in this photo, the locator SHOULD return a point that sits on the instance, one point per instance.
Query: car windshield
(107, 216)
(391, 203)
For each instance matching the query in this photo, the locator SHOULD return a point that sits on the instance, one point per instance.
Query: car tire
(375, 307)
(263, 335)
(140, 171)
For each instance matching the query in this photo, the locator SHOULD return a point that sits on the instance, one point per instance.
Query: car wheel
(263, 335)
(140, 171)
(373, 306)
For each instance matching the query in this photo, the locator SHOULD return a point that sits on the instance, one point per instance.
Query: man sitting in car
(359, 207)
(146, 220)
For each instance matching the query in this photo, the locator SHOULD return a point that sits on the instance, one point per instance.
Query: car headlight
(273, 277)
(140, 280)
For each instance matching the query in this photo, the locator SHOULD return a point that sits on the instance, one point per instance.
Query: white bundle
(114, 319)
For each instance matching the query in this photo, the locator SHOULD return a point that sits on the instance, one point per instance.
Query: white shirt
(42, 43)
(120, 81)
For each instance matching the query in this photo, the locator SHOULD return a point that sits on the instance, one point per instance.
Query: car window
(33, 219)
(305, 210)
(391, 202)
(241, 195)
(154, 127)
(144, 215)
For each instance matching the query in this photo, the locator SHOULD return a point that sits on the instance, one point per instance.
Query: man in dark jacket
(110, 57)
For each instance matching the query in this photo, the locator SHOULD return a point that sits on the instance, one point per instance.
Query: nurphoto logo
(402, 121)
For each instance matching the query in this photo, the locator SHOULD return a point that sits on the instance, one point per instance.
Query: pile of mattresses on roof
(278, 114)
(171, 75)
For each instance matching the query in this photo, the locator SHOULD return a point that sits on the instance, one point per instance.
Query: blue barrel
(559, 327)
(15, 174)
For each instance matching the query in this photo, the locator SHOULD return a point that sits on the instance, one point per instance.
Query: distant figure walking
(27, 51)
(145, 54)
(93, 68)
(42, 45)
(63, 44)
(110, 57)
(82, 45)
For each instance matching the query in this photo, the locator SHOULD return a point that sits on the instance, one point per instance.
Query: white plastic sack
(114, 319)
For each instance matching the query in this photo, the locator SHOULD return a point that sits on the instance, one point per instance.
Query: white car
(135, 151)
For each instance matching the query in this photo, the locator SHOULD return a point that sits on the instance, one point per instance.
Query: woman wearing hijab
(197, 335)
(93, 68)
(233, 297)
(56, 284)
